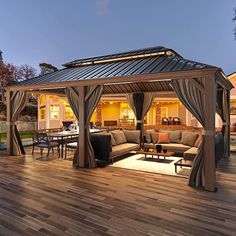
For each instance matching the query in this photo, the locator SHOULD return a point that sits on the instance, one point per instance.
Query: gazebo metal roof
(149, 61)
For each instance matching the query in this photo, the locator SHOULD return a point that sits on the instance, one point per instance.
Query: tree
(26, 72)
(8, 74)
(47, 68)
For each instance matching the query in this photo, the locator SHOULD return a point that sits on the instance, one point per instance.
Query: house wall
(111, 110)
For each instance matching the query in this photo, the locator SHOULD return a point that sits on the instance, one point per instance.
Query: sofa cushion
(175, 147)
(148, 135)
(189, 138)
(172, 147)
(123, 149)
(175, 136)
(113, 142)
(132, 136)
(163, 138)
(198, 141)
(154, 137)
(119, 136)
(190, 153)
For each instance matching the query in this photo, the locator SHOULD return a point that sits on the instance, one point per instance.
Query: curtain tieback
(139, 121)
(225, 123)
(11, 123)
(208, 132)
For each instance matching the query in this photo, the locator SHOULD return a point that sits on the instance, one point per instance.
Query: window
(68, 113)
(126, 112)
(42, 99)
(233, 107)
(54, 112)
(42, 113)
(164, 112)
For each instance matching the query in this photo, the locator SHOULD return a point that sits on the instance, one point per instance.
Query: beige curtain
(140, 103)
(73, 99)
(223, 110)
(92, 97)
(193, 99)
(18, 102)
(90, 105)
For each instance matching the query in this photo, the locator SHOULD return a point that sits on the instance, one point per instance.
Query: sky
(59, 31)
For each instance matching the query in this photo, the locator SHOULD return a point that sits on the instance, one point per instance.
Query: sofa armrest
(101, 144)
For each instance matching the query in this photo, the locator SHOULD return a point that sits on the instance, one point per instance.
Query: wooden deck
(53, 198)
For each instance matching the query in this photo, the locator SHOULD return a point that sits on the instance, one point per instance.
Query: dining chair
(34, 142)
(43, 141)
(72, 145)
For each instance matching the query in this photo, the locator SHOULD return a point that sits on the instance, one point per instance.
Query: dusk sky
(58, 31)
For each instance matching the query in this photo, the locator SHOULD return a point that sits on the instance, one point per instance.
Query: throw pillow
(148, 135)
(119, 136)
(163, 138)
(189, 138)
(154, 137)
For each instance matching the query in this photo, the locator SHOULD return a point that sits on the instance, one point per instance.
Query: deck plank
(53, 198)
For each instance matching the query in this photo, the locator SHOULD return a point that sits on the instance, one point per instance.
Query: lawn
(23, 135)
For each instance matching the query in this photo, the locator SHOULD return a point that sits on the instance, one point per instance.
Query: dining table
(64, 137)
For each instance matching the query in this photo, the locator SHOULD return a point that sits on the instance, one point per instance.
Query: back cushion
(174, 135)
(132, 136)
(119, 136)
(113, 142)
(154, 137)
(198, 141)
(148, 135)
(189, 138)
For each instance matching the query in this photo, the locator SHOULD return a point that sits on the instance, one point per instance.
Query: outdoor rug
(153, 165)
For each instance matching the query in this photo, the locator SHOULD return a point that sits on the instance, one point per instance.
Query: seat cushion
(123, 149)
(191, 153)
(119, 136)
(132, 136)
(172, 147)
(72, 145)
(175, 147)
(46, 145)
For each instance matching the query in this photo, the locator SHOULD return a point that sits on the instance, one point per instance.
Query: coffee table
(155, 153)
(181, 163)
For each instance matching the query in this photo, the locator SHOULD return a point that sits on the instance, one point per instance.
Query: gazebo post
(228, 123)
(210, 109)
(9, 129)
(82, 136)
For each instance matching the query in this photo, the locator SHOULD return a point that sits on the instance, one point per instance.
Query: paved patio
(53, 198)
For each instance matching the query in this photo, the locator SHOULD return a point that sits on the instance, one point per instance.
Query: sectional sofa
(184, 142)
(109, 145)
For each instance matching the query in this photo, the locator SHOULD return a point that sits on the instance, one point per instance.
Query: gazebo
(203, 90)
